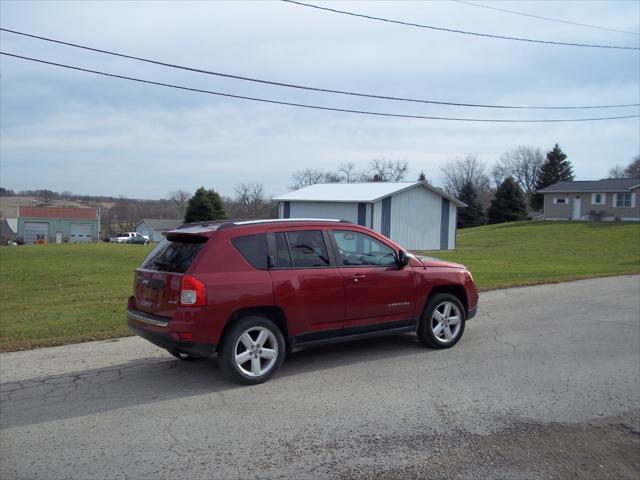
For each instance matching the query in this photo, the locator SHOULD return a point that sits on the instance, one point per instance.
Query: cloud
(72, 131)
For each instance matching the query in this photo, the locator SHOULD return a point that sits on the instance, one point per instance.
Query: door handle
(358, 276)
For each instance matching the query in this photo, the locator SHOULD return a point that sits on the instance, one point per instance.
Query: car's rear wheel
(443, 320)
(252, 350)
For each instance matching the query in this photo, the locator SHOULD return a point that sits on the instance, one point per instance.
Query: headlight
(469, 273)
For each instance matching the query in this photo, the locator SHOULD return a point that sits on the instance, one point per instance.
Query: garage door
(80, 232)
(33, 229)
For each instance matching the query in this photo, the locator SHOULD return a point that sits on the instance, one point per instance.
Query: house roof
(361, 192)
(161, 223)
(588, 186)
(73, 213)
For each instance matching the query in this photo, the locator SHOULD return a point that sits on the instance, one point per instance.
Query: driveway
(544, 384)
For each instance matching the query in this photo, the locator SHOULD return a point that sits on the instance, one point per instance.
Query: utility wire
(464, 32)
(539, 17)
(314, 89)
(315, 107)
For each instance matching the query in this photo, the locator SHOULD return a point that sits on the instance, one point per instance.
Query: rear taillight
(193, 293)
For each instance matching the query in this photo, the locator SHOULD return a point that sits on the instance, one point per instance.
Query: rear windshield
(174, 255)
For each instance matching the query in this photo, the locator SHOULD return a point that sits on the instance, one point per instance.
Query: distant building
(416, 215)
(154, 227)
(610, 199)
(58, 224)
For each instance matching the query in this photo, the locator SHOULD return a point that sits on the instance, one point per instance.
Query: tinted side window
(253, 248)
(283, 257)
(175, 255)
(357, 248)
(308, 249)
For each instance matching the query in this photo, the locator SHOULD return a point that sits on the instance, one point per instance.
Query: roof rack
(224, 224)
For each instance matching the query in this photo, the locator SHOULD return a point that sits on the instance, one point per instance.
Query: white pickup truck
(130, 237)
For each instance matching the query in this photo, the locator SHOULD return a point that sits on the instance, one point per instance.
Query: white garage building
(416, 215)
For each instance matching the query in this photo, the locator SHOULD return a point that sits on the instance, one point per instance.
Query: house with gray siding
(416, 215)
(609, 199)
(154, 228)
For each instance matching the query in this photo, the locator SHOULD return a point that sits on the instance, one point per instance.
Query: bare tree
(633, 169)
(630, 171)
(616, 172)
(523, 164)
(462, 170)
(306, 177)
(383, 170)
(332, 177)
(181, 199)
(46, 195)
(252, 201)
(347, 171)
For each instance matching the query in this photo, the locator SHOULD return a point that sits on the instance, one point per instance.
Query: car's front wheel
(252, 350)
(442, 322)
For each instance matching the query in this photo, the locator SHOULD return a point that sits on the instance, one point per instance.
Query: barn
(57, 224)
(416, 215)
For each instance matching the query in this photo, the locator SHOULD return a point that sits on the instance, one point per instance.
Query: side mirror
(402, 259)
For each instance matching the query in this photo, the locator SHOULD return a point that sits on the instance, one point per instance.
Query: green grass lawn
(526, 253)
(56, 294)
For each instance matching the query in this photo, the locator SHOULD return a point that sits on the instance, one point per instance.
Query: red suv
(249, 291)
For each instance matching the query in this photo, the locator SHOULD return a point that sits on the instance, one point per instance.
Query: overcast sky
(68, 130)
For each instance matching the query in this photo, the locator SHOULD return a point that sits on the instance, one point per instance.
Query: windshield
(175, 255)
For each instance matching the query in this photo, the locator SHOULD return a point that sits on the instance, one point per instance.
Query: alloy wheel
(256, 351)
(446, 322)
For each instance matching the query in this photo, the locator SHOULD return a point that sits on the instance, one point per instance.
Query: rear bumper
(156, 330)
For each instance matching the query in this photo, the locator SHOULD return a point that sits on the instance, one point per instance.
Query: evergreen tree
(508, 203)
(205, 205)
(473, 215)
(556, 168)
(422, 177)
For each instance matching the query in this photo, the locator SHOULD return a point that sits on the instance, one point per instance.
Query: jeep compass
(251, 291)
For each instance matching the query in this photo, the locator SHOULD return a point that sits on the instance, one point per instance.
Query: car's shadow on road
(160, 379)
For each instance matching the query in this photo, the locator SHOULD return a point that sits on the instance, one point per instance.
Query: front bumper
(156, 330)
(472, 313)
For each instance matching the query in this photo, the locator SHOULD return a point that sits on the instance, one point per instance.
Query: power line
(539, 17)
(315, 107)
(303, 87)
(464, 32)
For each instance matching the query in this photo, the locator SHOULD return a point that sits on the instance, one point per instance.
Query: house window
(623, 200)
(561, 201)
(598, 199)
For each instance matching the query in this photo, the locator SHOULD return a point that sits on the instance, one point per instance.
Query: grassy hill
(526, 253)
(55, 294)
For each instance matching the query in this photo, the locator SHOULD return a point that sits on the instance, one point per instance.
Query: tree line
(506, 192)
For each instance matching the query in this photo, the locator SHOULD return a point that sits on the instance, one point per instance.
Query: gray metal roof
(161, 223)
(360, 192)
(588, 186)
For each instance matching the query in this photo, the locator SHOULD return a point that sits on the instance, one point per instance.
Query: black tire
(428, 322)
(233, 346)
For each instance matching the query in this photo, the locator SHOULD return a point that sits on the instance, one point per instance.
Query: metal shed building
(57, 224)
(155, 227)
(416, 215)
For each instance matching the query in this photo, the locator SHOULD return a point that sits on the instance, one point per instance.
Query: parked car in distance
(127, 236)
(250, 291)
(138, 240)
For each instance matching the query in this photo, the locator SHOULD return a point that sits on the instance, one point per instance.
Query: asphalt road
(544, 384)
